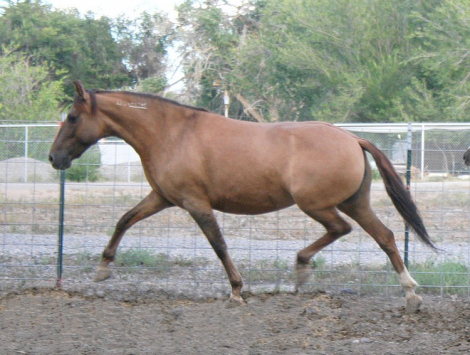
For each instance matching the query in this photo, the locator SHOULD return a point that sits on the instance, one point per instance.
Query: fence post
(26, 142)
(60, 243)
(408, 182)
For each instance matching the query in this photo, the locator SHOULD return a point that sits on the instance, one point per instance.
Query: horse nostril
(51, 159)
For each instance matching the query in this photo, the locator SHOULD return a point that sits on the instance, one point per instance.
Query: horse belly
(256, 201)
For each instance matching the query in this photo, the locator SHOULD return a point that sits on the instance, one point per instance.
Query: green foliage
(337, 61)
(102, 52)
(153, 85)
(86, 168)
(26, 91)
(144, 43)
(77, 47)
(445, 276)
(444, 38)
(340, 61)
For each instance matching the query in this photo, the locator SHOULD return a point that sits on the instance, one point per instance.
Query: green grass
(269, 271)
(141, 257)
(133, 258)
(449, 276)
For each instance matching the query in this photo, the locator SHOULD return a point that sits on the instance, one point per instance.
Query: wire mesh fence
(168, 250)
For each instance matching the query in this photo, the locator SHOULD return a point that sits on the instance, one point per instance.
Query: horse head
(79, 131)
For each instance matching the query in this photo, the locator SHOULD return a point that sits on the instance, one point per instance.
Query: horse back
(246, 167)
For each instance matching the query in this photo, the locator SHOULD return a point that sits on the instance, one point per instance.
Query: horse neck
(140, 121)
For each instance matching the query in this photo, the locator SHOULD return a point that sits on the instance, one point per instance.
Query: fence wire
(168, 251)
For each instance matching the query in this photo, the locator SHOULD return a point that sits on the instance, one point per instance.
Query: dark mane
(93, 93)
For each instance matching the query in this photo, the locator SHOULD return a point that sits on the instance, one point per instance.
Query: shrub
(86, 168)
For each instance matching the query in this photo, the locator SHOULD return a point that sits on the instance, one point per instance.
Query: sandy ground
(45, 321)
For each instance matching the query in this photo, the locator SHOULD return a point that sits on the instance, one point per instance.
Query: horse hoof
(412, 304)
(102, 274)
(235, 301)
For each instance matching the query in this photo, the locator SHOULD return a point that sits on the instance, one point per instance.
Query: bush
(86, 168)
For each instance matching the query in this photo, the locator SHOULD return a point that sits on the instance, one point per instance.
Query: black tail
(398, 193)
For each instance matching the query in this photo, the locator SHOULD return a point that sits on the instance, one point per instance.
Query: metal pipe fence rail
(168, 251)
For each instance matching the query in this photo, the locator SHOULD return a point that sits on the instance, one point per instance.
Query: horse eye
(72, 119)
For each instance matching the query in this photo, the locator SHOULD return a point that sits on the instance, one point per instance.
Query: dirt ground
(45, 321)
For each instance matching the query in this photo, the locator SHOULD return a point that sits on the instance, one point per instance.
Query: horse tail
(399, 195)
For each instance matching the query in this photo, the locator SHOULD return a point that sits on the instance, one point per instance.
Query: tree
(334, 61)
(341, 61)
(78, 48)
(208, 37)
(144, 42)
(443, 91)
(26, 92)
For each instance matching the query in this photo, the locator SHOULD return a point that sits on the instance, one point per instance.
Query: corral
(168, 291)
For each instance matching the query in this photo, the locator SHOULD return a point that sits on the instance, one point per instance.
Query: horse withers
(200, 161)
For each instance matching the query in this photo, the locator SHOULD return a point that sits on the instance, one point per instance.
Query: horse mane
(94, 104)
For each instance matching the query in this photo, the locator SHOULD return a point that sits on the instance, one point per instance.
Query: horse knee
(339, 229)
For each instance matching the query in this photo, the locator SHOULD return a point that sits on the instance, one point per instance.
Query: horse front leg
(206, 220)
(150, 205)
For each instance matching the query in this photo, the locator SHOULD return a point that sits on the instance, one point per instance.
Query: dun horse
(466, 157)
(201, 162)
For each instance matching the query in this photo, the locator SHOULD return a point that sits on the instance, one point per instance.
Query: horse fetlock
(303, 274)
(102, 273)
(107, 256)
(235, 301)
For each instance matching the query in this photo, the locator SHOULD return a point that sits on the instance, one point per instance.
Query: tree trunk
(249, 108)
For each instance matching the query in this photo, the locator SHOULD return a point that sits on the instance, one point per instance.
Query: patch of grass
(184, 262)
(449, 276)
(141, 257)
(270, 271)
(318, 262)
(133, 258)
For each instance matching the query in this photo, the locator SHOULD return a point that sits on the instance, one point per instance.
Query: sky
(113, 8)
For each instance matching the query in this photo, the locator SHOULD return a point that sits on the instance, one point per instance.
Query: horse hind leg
(150, 205)
(335, 226)
(361, 212)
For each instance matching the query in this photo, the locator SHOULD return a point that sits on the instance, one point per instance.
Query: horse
(201, 162)
(466, 157)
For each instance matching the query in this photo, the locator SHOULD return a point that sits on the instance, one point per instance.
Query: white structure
(116, 152)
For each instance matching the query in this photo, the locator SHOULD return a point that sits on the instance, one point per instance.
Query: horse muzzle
(59, 163)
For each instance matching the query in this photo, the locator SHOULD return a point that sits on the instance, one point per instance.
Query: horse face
(78, 132)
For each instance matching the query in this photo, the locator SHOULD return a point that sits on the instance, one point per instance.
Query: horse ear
(79, 89)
